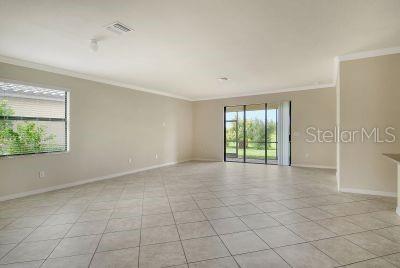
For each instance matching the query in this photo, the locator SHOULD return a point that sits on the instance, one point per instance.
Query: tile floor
(202, 215)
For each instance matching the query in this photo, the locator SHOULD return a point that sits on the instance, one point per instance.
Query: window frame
(66, 118)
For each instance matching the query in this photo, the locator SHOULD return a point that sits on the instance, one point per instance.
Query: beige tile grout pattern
(196, 187)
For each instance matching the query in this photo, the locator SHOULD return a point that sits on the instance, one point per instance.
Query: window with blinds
(33, 120)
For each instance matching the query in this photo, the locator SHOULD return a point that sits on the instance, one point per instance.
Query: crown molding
(337, 60)
(51, 69)
(369, 54)
(272, 91)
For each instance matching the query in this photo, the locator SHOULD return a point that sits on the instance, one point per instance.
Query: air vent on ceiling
(118, 28)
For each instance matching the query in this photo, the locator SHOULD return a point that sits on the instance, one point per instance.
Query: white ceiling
(181, 47)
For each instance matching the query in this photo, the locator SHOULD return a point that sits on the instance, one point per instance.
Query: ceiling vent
(118, 28)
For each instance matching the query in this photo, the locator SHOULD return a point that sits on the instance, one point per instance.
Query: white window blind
(32, 119)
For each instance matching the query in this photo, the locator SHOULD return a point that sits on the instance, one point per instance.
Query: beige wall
(369, 97)
(108, 125)
(309, 108)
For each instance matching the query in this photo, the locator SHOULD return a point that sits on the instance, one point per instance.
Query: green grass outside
(252, 153)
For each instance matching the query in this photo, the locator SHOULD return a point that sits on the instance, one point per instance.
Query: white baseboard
(100, 178)
(313, 166)
(366, 191)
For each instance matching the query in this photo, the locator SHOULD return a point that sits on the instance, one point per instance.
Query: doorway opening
(258, 133)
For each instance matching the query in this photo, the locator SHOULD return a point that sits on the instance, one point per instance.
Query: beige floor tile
(342, 250)
(80, 261)
(123, 224)
(220, 189)
(195, 230)
(14, 235)
(374, 243)
(233, 200)
(161, 255)
(375, 263)
(218, 213)
(313, 213)
(227, 262)
(4, 249)
(30, 251)
(340, 226)
(76, 246)
(157, 220)
(116, 258)
(243, 242)
(394, 259)
(30, 264)
(119, 240)
(278, 236)
(159, 235)
(96, 215)
(367, 222)
(271, 207)
(5, 222)
(199, 249)
(305, 255)
(188, 216)
(228, 225)
(203, 195)
(245, 209)
(294, 203)
(49, 232)
(261, 259)
(156, 209)
(209, 203)
(62, 219)
(391, 233)
(26, 222)
(310, 231)
(390, 217)
(184, 206)
(87, 228)
(258, 221)
(126, 212)
(288, 217)
(101, 205)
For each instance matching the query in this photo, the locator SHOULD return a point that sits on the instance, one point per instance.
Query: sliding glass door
(234, 133)
(272, 133)
(257, 133)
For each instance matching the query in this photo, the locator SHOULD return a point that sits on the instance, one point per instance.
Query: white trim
(313, 166)
(99, 178)
(56, 70)
(398, 211)
(369, 54)
(272, 91)
(366, 191)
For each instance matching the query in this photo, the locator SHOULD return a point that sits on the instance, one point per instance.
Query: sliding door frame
(265, 135)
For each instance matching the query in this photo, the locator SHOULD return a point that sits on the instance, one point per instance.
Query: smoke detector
(118, 28)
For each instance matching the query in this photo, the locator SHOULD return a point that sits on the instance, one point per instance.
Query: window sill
(33, 155)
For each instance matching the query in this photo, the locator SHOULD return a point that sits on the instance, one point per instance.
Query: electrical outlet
(156, 156)
(164, 124)
(307, 155)
(130, 160)
(41, 174)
